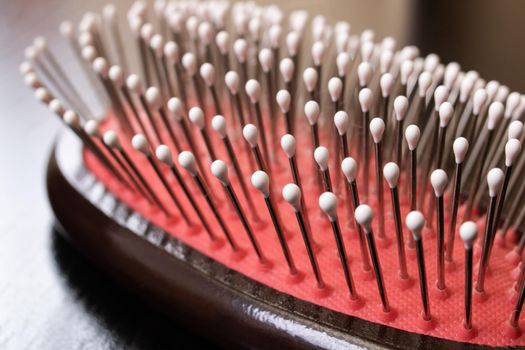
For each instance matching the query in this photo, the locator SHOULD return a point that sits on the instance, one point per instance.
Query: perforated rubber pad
(490, 317)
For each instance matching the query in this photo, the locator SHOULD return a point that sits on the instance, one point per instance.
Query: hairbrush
(276, 181)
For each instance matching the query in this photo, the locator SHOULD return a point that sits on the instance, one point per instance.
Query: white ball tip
(253, 90)
(231, 80)
(140, 143)
(349, 168)
(412, 135)
(261, 181)
(220, 171)
(387, 84)
(364, 216)
(328, 204)
(218, 123)
(250, 134)
(391, 174)
(186, 160)
(468, 232)
(400, 107)
(312, 111)
(415, 222)
(495, 114)
(321, 157)
(110, 138)
(365, 99)
(196, 116)
(335, 88)
(512, 149)
(207, 72)
(288, 145)
(439, 181)
(460, 148)
(495, 180)
(377, 129)
(163, 153)
(446, 111)
(91, 128)
(153, 97)
(342, 122)
(283, 99)
(292, 194)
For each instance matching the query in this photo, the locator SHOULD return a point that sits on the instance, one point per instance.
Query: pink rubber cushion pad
(490, 317)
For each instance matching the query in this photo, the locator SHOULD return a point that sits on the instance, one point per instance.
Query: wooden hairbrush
(265, 208)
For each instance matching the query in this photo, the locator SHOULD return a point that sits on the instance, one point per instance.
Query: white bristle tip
(175, 106)
(111, 139)
(71, 118)
(288, 145)
(310, 77)
(287, 67)
(153, 97)
(460, 148)
(207, 72)
(134, 84)
(261, 181)
(292, 194)
(321, 157)
(189, 62)
(220, 171)
(387, 84)
(250, 134)
(232, 81)
(312, 111)
(495, 114)
(365, 99)
(253, 90)
(283, 99)
(342, 122)
(163, 154)
(468, 231)
(377, 129)
(364, 216)
(439, 181)
(391, 174)
(424, 82)
(512, 149)
(412, 135)
(140, 143)
(515, 130)
(91, 128)
(446, 111)
(328, 204)
(415, 222)
(218, 123)
(335, 88)
(478, 100)
(400, 107)
(196, 116)
(364, 73)
(495, 180)
(349, 168)
(186, 160)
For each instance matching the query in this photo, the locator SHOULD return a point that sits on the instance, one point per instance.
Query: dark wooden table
(53, 298)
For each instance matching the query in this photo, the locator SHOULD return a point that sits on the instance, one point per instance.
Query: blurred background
(52, 298)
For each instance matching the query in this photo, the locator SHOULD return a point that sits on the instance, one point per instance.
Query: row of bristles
(370, 90)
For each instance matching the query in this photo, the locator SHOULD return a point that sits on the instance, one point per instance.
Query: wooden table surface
(50, 296)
